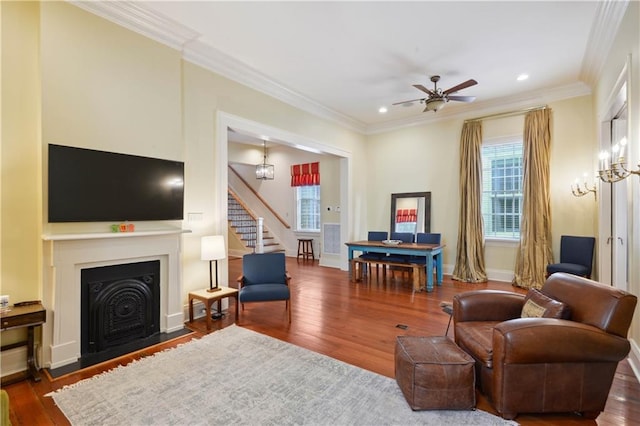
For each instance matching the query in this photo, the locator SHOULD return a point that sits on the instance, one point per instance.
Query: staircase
(245, 226)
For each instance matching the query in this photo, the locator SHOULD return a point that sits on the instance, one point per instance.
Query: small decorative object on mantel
(582, 190)
(123, 227)
(617, 170)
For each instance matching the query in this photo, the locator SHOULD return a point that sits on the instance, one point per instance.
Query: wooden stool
(305, 248)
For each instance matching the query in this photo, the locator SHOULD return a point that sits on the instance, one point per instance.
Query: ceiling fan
(438, 97)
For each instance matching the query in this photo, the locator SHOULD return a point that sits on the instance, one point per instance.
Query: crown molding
(214, 60)
(138, 18)
(500, 105)
(605, 27)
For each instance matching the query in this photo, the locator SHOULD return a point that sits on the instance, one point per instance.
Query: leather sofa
(545, 364)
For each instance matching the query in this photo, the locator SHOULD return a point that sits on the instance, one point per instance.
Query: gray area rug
(237, 376)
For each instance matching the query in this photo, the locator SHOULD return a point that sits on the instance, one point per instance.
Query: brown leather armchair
(540, 365)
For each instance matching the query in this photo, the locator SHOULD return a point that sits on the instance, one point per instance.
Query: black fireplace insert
(120, 305)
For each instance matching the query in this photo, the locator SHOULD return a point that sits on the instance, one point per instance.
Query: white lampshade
(212, 248)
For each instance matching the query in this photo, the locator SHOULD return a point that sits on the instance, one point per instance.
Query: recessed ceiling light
(522, 77)
(382, 110)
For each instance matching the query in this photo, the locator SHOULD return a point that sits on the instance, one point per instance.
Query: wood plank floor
(352, 322)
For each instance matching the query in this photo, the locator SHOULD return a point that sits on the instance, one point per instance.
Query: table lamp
(212, 248)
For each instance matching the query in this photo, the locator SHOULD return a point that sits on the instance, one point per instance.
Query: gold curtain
(470, 251)
(534, 251)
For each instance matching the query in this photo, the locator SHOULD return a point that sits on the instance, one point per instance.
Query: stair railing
(262, 200)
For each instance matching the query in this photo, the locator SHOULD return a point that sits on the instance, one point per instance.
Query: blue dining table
(431, 252)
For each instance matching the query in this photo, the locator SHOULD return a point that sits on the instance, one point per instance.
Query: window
(308, 208)
(502, 189)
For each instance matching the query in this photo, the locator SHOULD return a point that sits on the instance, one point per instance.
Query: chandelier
(264, 171)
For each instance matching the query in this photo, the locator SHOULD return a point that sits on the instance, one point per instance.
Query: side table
(208, 298)
(30, 316)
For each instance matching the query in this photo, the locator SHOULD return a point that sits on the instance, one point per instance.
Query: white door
(613, 224)
(605, 197)
(619, 204)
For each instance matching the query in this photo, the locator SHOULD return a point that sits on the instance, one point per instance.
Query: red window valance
(406, 215)
(305, 174)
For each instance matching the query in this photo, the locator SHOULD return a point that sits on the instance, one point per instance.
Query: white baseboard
(13, 361)
(500, 275)
(330, 261)
(634, 358)
(198, 309)
(503, 275)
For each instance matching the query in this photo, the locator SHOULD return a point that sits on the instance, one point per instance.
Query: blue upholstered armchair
(264, 279)
(576, 256)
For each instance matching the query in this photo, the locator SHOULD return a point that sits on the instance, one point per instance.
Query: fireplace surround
(67, 255)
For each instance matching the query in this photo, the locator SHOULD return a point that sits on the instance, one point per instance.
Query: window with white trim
(502, 189)
(308, 208)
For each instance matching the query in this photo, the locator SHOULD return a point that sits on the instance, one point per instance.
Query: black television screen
(87, 185)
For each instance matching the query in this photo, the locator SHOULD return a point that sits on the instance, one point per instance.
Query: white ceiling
(344, 60)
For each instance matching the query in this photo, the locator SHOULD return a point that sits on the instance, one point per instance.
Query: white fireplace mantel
(65, 255)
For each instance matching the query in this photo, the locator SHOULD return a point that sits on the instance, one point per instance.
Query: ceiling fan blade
(460, 86)
(407, 102)
(461, 98)
(424, 89)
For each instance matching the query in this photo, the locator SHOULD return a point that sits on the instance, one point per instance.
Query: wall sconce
(264, 171)
(581, 191)
(618, 168)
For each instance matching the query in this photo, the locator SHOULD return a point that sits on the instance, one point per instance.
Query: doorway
(613, 244)
(225, 121)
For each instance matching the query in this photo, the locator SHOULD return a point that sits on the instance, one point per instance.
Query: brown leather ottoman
(434, 373)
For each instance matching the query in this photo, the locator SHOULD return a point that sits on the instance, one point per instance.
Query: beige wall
(108, 88)
(105, 87)
(425, 158)
(21, 153)
(205, 94)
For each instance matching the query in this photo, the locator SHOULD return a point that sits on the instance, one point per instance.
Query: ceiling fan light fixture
(437, 97)
(435, 104)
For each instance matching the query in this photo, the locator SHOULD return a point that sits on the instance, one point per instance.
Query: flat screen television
(87, 185)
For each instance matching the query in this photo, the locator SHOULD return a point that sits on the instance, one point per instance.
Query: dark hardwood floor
(353, 322)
